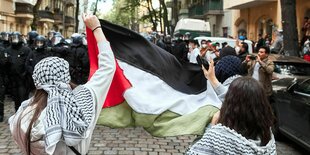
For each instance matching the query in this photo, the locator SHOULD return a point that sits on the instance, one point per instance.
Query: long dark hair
(40, 102)
(246, 109)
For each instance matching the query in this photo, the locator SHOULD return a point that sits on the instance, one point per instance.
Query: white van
(230, 42)
(195, 27)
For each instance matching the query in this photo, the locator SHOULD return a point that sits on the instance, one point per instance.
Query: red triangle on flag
(119, 83)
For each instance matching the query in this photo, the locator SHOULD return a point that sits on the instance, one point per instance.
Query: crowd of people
(243, 83)
(51, 67)
(19, 55)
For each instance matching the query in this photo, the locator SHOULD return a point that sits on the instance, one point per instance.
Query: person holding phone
(243, 124)
(261, 68)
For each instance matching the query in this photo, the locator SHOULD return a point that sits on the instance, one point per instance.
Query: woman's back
(220, 139)
(245, 121)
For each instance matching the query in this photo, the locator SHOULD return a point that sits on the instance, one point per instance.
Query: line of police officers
(19, 56)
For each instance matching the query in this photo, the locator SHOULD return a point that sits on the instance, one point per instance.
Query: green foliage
(123, 12)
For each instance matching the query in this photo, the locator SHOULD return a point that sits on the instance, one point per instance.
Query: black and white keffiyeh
(68, 113)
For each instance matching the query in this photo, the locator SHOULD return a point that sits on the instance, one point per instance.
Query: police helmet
(50, 34)
(187, 36)
(56, 39)
(167, 39)
(40, 42)
(32, 35)
(5, 36)
(15, 38)
(77, 39)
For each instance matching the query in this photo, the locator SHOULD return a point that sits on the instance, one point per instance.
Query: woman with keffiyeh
(59, 119)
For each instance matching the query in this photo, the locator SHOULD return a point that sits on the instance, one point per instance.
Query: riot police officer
(50, 35)
(17, 69)
(3, 63)
(60, 47)
(40, 52)
(167, 41)
(31, 38)
(179, 49)
(5, 42)
(80, 62)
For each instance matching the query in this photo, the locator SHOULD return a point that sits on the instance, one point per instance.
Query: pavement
(128, 141)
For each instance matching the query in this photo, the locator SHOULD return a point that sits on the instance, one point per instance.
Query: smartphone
(202, 62)
(252, 57)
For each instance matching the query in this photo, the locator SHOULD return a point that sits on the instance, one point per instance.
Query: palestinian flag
(151, 88)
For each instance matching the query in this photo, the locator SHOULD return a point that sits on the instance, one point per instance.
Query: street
(128, 141)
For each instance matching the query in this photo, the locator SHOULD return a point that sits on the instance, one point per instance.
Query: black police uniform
(3, 66)
(31, 36)
(18, 74)
(79, 62)
(180, 50)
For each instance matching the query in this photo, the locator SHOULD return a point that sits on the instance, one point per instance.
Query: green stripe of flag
(165, 124)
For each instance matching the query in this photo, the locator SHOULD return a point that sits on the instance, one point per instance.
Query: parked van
(230, 42)
(195, 27)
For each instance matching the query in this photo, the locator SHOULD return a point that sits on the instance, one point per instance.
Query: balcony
(70, 2)
(213, 7)
(45, 14)
(23, 10)
(58, 17)
(69, 21)
(196, 11)
(169, 4)
(242, 4)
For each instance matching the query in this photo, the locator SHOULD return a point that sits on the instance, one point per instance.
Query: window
(225, 32)
(304, 87)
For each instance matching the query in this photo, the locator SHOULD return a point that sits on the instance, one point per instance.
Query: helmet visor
(56, 40)
(15, 38)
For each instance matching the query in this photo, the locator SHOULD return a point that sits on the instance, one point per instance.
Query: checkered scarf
(68, 115)
(227, 67)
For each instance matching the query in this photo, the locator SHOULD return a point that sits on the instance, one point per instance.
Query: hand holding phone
(202, 62)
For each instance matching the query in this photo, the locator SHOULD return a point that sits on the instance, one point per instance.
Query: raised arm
(102, 78)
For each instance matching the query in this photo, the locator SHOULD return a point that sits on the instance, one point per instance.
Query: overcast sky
(103, 7)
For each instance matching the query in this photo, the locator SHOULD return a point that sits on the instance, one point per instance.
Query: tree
(290, 35)
(35, 21)
(77, 16)
(165, 17)
(95, 6)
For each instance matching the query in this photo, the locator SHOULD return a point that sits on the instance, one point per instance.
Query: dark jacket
(18, 56)
(34, 57)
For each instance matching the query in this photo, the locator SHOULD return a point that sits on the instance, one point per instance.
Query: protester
(243, 125)
(305, 30)
(260, 42)
(223, 73)
(59, 120)
(227, 51)
(261, 68)
(193, 51)
(277, 45)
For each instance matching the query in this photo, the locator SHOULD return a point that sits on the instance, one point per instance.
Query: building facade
(208, 10)
(58, 15)
(254, 17)
(83, 6)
